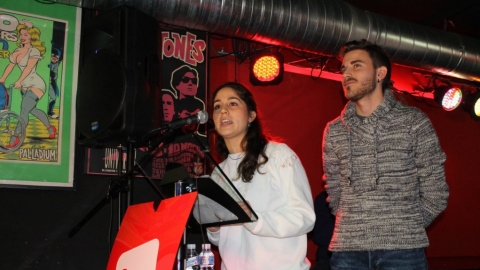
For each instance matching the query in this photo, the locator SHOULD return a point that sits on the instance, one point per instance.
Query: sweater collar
(349, 113)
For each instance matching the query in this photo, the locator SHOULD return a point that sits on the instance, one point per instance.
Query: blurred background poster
(38, 151)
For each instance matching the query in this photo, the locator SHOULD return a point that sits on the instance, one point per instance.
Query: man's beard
(366, 88)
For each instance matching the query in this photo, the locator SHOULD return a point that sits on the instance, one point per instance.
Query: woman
(271, 178)
(28, 54)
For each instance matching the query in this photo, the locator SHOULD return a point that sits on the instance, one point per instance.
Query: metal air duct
(316, 26)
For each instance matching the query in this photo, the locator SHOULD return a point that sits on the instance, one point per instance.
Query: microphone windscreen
(202, 117)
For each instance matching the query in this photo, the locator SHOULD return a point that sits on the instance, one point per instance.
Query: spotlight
(472, 104)
(266, 68)
(448, 97)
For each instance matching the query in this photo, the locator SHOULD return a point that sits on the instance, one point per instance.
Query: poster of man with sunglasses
(184, 81)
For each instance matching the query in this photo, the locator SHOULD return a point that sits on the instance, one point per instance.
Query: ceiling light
(448, 97)
(472, 104)
(266, 68)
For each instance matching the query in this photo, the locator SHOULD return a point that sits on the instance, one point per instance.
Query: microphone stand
(121, 186)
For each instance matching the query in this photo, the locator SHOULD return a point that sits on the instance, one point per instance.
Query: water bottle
(191, 258)
(208, 258)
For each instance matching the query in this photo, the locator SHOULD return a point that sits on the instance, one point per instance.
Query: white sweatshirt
(282, 199)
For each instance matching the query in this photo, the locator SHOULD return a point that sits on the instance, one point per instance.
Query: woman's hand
(213, 229)
(245, 208)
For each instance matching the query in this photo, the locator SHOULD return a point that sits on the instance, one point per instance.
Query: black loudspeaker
(118, 98)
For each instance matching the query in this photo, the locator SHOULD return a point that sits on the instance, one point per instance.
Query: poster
(38, 73)
(183, 58)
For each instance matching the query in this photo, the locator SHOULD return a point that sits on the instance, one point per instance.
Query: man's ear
(381, 72)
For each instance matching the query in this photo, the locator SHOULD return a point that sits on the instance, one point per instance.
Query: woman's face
(25, 36)
(231, 115)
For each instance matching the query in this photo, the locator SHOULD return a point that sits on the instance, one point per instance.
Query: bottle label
(208, 260)
(192, 263)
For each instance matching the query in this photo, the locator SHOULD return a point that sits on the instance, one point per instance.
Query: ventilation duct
(316, 26)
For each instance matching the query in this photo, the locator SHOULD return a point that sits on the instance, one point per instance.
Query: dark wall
(36, 223)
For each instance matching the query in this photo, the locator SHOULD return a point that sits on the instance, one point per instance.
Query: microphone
(201, 117)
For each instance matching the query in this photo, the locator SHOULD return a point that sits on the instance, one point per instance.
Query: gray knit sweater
(384, 176)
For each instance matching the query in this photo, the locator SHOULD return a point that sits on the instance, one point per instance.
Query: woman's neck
(234, 146)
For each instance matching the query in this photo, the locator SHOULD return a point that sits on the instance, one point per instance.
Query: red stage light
(266, 69)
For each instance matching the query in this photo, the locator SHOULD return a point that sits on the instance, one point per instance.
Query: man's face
(168, 107)
(188, 84)
(359, 75)
(54, 58)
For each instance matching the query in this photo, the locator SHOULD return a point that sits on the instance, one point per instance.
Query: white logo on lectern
(143, 257)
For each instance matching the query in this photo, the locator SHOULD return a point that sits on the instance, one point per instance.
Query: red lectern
(148, 239)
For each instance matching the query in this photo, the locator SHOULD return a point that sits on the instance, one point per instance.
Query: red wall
(297, 111)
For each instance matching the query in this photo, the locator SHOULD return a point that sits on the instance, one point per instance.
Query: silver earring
(248, 125)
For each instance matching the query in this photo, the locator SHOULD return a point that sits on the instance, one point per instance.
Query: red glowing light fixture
(266, 68)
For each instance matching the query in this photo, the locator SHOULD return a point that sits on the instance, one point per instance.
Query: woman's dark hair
(377, 54)
(254, 142)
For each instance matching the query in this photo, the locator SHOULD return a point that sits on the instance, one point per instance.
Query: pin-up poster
(183, 58)
(39, 44)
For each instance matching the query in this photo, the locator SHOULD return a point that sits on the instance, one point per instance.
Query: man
(185, 82)
(168, 104)
(384, 170)
(53, 90)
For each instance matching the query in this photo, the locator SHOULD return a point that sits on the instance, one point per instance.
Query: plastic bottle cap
(190, 246)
